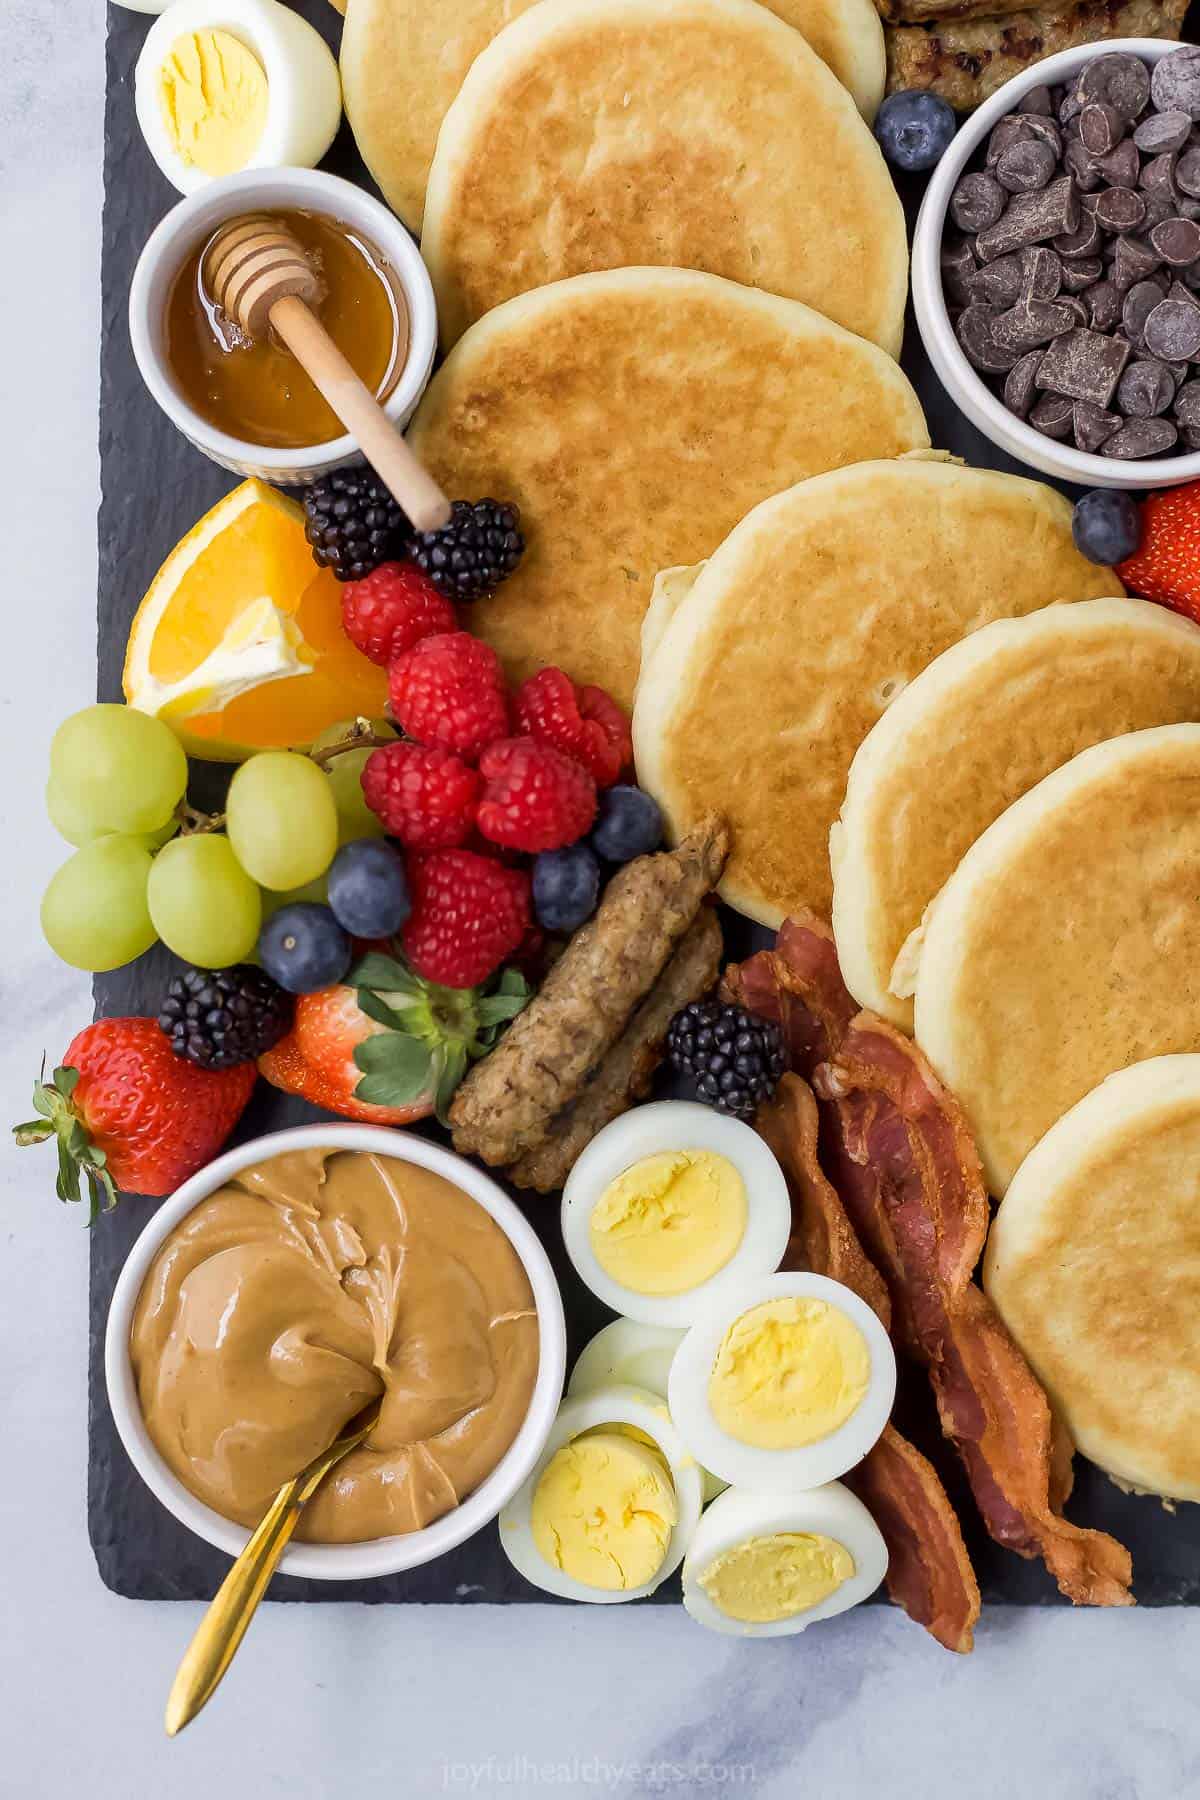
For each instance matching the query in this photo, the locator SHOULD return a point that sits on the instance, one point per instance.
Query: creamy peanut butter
(298, 1292)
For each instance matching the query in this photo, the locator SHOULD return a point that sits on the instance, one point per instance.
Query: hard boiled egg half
(225, 85)
(783, 1384)
(767, 1565)
(612, 1503)
(672, 1207)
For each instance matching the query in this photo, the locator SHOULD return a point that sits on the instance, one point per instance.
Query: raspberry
(424, 795)
(469, 914)
(535, 798)
(449, 690)
(581, 722)
(393, 607)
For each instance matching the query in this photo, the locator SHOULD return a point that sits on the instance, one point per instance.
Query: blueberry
(566, 886)
(914, 129)
(303, 948)
(368, 892)
(1106, 526)
(628, 824)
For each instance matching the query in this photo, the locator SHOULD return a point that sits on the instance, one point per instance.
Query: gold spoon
(233, 1606)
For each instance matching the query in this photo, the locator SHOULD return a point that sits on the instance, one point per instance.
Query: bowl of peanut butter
(295, 1280)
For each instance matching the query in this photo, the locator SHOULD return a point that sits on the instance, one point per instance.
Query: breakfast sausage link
(502, 1109)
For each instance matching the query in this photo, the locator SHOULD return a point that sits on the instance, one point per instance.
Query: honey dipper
(258, 275)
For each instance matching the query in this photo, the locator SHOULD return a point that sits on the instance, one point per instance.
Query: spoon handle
(224, 1625)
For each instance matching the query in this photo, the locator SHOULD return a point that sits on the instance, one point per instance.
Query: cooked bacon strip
(929, 1571)
(906, 1169)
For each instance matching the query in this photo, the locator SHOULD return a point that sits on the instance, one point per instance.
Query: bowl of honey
(246, 403)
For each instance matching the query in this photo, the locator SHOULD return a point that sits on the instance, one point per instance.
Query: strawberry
(534, 797)
(387, 1047)
(423, 795)
(469, 915)
(1166, 564)
(393, 608)
(583, 722)
(449, 690)
(130, 1114)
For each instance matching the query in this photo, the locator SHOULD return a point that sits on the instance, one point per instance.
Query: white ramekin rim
(965, 386)
(193, 219)
(379, 1556)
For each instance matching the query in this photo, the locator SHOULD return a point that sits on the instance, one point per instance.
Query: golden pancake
(403, 62)
(695, 134)
(1094, 1264)
(978, 728)
(635, 416)
(793, 639)
(1066, 944)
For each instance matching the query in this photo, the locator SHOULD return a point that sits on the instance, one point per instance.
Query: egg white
(832, 1511)
(614, 1404)
(778, 1471)
(304, 92)
(677, 1125)
(641, 1356)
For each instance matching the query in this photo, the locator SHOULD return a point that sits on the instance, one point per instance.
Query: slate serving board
(154, 486)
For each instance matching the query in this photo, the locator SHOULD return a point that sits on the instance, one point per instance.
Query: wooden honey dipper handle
(258, 275)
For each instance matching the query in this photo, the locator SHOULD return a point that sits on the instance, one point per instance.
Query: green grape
(113, 768)
(355, 818)
(94, 912)
(281, 819)
(67, 821)
(204, 905)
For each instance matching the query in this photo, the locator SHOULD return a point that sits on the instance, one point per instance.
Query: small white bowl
(967, 388)
(191, 222)
(379, 1556)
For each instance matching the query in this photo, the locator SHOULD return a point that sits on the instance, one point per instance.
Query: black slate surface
(154, 486)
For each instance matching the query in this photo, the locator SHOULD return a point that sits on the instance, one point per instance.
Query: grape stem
(193, 822)
(361, 736)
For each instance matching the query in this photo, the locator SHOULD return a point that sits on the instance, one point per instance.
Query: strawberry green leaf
(34, 1131)
(377, 971)
(380, 1011)
(496, 1009)
(396, 1070)
(66, 1080)
(451, 1066)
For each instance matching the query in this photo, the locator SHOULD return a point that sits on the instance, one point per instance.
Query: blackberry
(352, 523)
(468, 558)
(217, 1018)
(733, 1058)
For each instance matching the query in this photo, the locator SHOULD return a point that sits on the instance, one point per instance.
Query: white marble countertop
(425, 1700)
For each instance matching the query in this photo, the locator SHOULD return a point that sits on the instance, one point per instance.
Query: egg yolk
(604, 1509)
(776, 1577)
(787, 1373)
(670, 1222)
(213, 94)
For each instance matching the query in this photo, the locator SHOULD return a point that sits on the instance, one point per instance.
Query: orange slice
(238, 643)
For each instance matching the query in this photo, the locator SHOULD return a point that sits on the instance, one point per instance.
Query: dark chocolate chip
(1084, 365)
(1038, 103)
(977, 202)
(1159, 207)
(1187, 402)
(1133, 260)
(1104, 305)
(1122, 81)
(1177, 291)
(1175, 83)
(1072, 304)
(1120, 209)
(1081, 164)
(1030, 219)
(1086, 239)
(1142, 299)
(1025, 167)
(1080, 273)
(1121, 167)
(1069, 107)
(974, 332)
(1189, 437)
(958, 265)
(1141, 437)
(1188, 208)
(1101, 128)
(1158, 177)
(1052, 416)
(1009, 130)
(1187, 172)
(1162, 132)
(1045, 130)
(1093, 426)
(1177, 241)
(1020, 384)
(1145, 390)
(1041, 272)
(1172, 331)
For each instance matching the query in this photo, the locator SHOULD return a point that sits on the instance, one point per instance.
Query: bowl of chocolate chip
(1056, 265)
